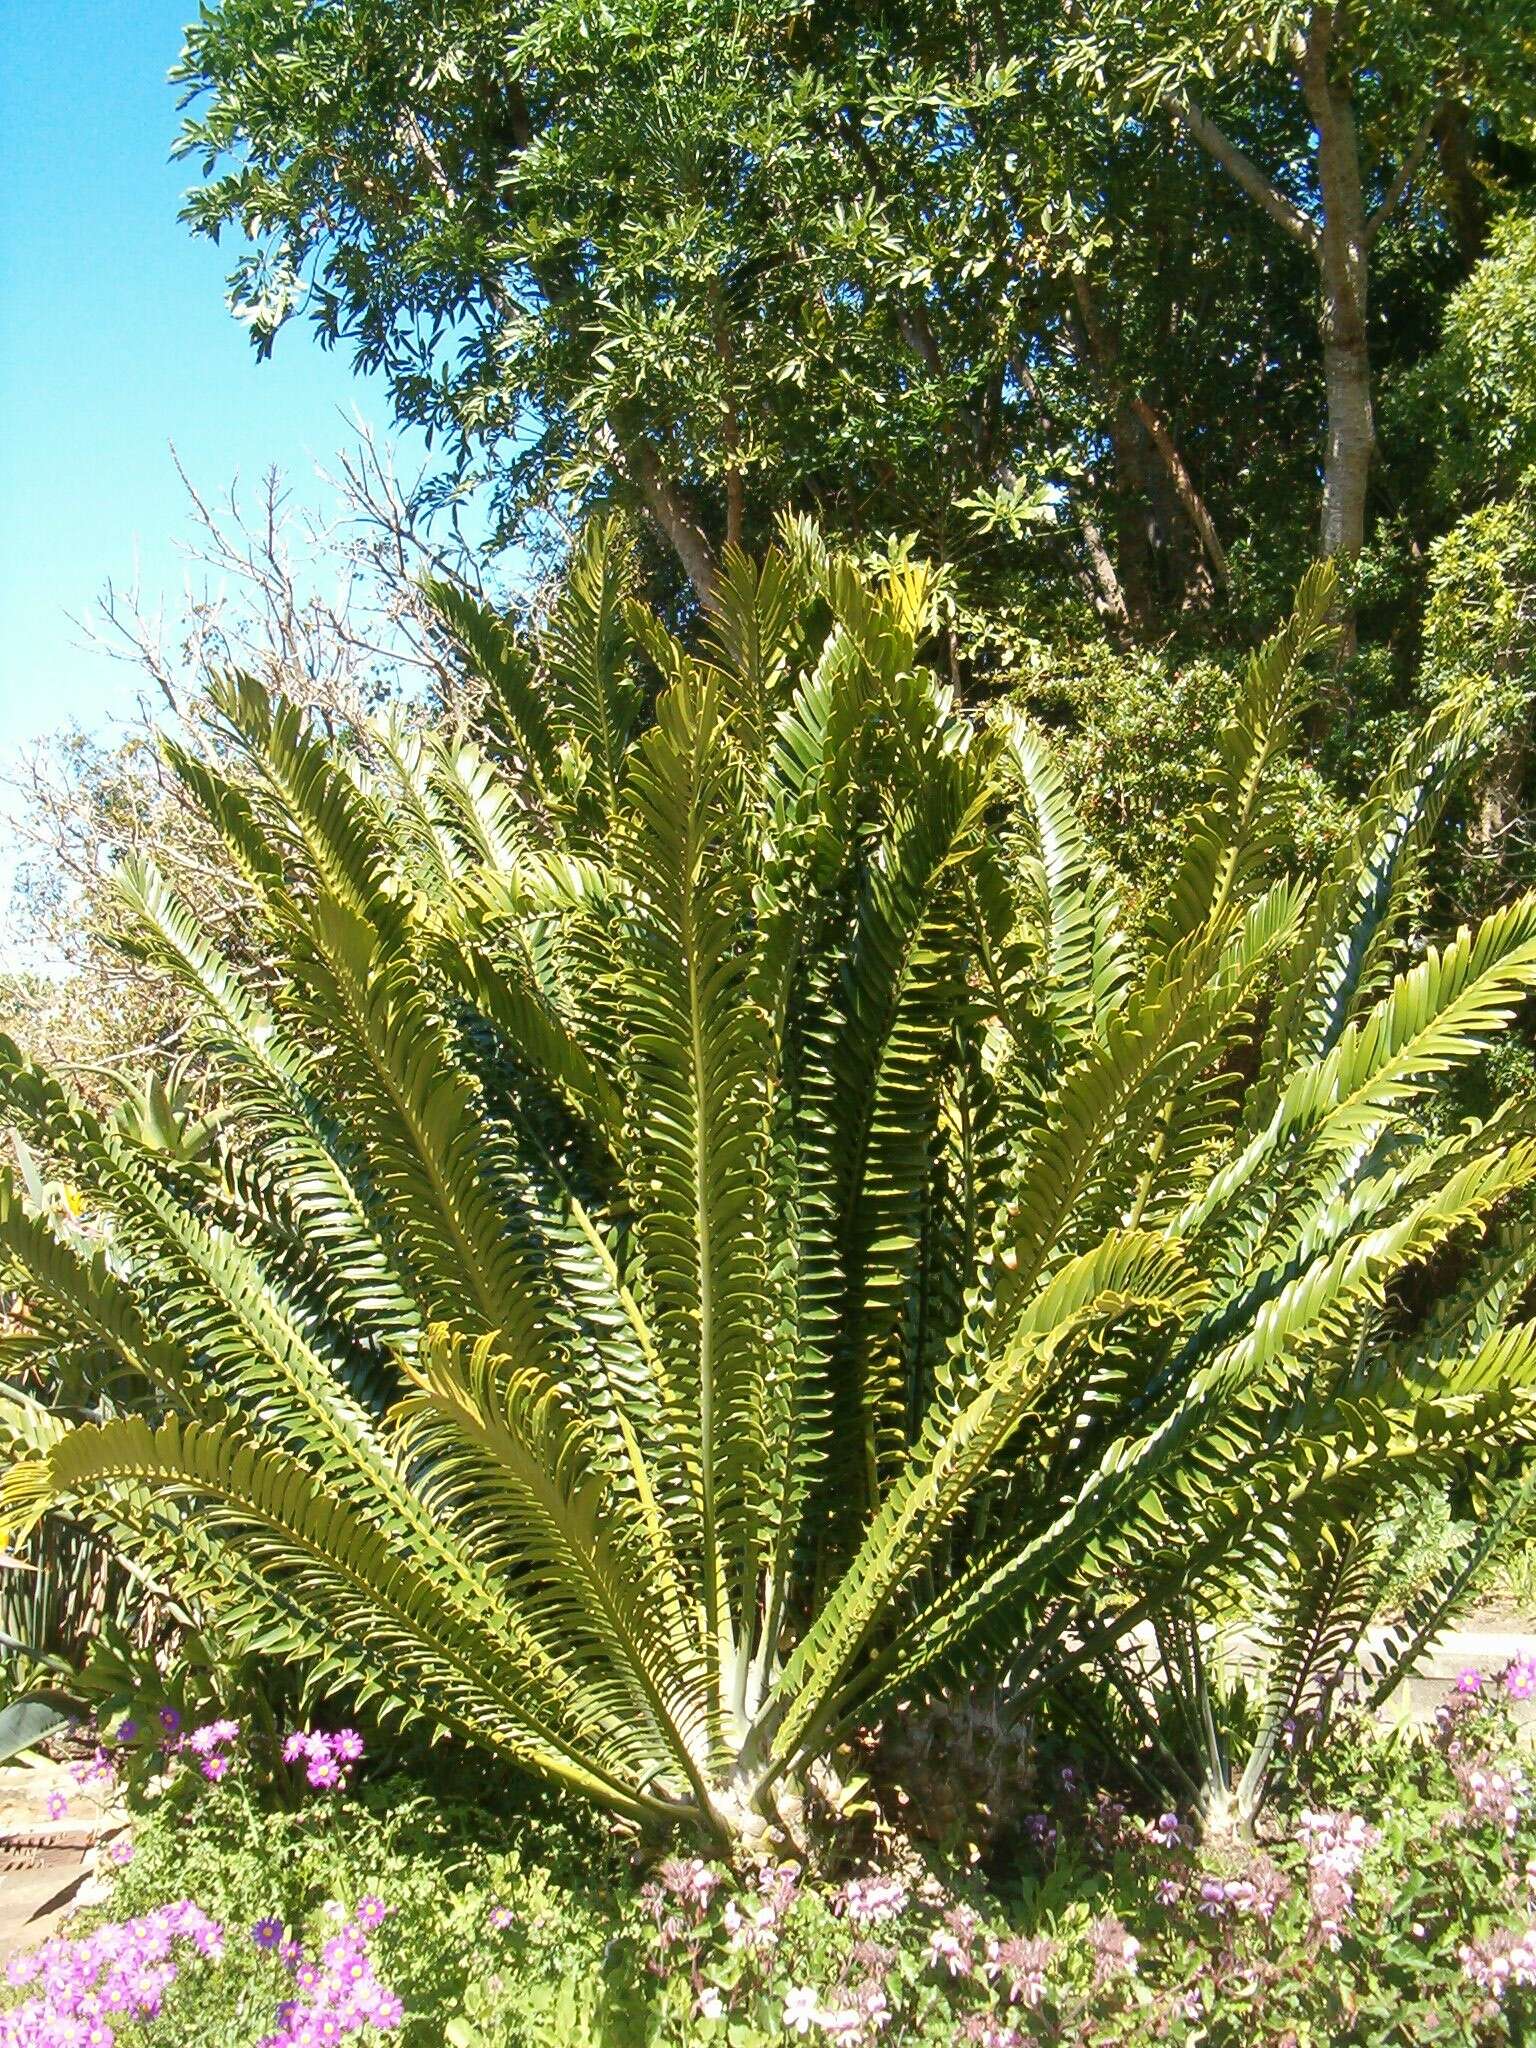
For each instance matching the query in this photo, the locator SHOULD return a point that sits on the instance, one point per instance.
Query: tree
(708, 1226)
(917, 270)
(1369, 91)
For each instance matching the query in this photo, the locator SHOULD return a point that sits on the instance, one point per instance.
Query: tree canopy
(1088, 294)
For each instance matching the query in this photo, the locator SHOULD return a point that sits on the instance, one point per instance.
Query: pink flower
(371, 1911)
(56, 1806)
(1520, 1679)
(121, 1851)
(1469, 1680)
(867, 1901)
(946, 1951)
(215, 1767)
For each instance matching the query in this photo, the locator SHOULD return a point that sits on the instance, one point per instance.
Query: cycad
(705, 1228)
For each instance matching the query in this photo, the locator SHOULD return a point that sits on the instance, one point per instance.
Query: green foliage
(708, 1225)
(1137, 732)
(1485, 374)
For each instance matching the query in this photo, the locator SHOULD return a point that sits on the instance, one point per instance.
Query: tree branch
(635, 459)
(1242, 170)
(1107, 355)
(1407, 171)
(1106, 593)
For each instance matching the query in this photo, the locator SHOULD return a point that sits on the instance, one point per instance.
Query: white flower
(711, 2005)
(800, 2009)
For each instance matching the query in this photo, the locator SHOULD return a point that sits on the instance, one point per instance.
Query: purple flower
(268, 1934)
(116, 1971)
(121, 1851)
(801, 2006)
(1469, 1680)
(867, 1901)
(214, 1768)
(371, 1911)
(127, 1730)
(169, 1720)
(328, 1758)
(56, 1806)
(1520, 1679)
(1022, 1964)
(1213, 1898)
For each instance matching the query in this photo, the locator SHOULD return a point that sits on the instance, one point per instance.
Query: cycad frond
(703, 1227)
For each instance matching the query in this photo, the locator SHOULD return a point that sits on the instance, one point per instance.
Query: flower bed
(1394, 1901)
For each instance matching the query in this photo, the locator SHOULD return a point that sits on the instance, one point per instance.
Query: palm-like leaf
(705, 1229)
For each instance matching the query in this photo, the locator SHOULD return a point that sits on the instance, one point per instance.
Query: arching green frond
(1085, 953)
(317, 1554)
(751, 635)
(275, 1081)
(517, 712)
(701, 1072)
(870, 1085)
(596, 1567)
(1229, 836)
(345, 842)
(1133, 1275)
(1355, 908)
(477, 808)
(583, 651)
(1440, 1014)
(1099, 1129)
(504, 991)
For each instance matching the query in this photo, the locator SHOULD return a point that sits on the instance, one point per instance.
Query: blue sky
(115, 342)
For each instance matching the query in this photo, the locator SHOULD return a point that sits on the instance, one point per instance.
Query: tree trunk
(1466, 199)
(1342, 250)
(673, 517)
(1133, 540)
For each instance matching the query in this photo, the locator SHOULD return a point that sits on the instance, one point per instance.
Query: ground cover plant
(1389, 1902)
(711, 1231)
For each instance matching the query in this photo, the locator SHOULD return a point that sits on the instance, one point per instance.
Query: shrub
(707, 1227)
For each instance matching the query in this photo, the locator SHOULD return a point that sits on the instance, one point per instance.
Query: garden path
(47, 1866)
